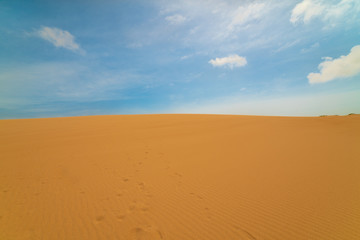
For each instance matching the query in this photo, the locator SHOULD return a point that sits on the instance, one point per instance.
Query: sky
(271, 57)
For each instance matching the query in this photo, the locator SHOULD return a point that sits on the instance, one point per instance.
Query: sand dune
(180, 177)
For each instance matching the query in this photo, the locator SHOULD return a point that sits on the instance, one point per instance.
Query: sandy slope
(180, 177)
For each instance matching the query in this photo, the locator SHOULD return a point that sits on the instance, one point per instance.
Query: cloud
(311, 48)
(59, 38)
(227, 25)
(244, 14)
(306, 10)
(287, 45)
(325, 10)
(342, 67)
(176, 19)
(186, 57)
(232, 19)
(230, 61)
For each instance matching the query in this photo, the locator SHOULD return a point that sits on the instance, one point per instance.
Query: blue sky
(72, 58)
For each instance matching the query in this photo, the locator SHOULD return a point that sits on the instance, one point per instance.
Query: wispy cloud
(244, 14)
(326, 11)
(175, 19)
(342, 67)
(287, 45)
(209, 25)
(230, 61)
(306, 10)
(186, 57)
(311, 48)
(59, 38)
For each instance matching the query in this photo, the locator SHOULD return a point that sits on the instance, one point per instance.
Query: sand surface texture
(180, 177)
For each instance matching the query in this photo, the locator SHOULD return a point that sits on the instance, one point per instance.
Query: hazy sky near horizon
(71, 58)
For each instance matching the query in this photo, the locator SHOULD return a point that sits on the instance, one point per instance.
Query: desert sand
(180, 177)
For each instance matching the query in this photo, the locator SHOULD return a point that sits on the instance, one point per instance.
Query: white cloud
(306, 10)
(225, 25)
(342, 67)
(185, 57)
(176, 19)
(244, 14)
(230, 61)
(232, 19)
(327, 58)
(327, 11)
(59, 38)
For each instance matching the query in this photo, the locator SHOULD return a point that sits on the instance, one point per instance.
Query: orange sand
(180, 177)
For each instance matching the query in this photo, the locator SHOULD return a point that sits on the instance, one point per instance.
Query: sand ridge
(180, 177)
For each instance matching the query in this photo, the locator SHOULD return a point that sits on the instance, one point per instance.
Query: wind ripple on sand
(180, 177)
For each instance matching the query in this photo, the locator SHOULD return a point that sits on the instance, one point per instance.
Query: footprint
(100, 218)
(136, 206)
(120, 217)
(141, 185)
(138, 232)
(132, 207)
(148, 233)
(144, 208)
